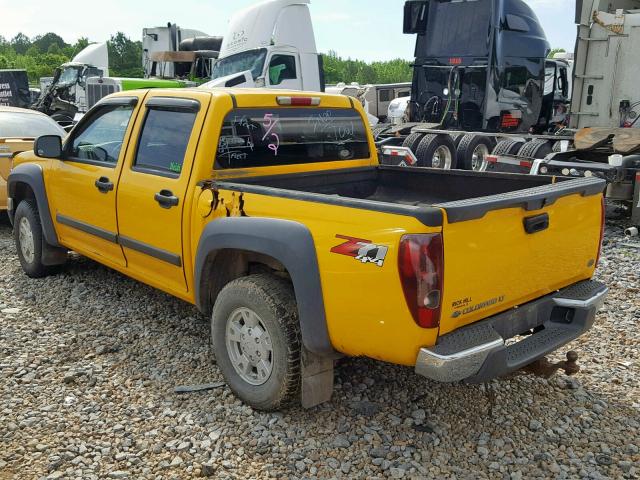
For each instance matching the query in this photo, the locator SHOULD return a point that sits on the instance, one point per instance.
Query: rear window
(265, 137)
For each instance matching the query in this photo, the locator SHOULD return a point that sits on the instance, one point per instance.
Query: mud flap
(317, 379)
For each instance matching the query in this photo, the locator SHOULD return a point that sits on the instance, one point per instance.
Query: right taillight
(421, 266)
(602, 221)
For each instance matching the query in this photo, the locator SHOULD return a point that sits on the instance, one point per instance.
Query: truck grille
(97, 91)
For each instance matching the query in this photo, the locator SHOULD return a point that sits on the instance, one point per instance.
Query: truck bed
(419, 192)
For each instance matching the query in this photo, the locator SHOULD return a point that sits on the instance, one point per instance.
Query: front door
(284, 72)
(83, 190)
(153, 186)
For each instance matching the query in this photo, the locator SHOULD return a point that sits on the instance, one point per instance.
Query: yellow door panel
(82, 187)
(153, 187)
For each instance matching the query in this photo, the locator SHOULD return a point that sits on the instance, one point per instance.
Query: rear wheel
(507, 147)
(412, 141)
(256, 340)
(536, 149)
(436, 151)
(473, 151)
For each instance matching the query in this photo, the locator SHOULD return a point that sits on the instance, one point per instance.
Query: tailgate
(505, 250)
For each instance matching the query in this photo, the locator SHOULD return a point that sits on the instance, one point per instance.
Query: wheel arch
(27, 181)
(283, 246)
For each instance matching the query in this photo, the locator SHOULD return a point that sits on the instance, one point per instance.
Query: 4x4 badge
(362, 250)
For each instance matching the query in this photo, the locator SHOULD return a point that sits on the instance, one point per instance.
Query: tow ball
(545, 369)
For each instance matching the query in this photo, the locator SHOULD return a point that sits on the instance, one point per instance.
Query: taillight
(511, 119)
(602, 222)
(421, 266)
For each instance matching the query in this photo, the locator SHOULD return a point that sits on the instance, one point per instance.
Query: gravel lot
(89, 361)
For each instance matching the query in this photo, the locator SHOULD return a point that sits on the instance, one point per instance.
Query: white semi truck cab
(271, 44)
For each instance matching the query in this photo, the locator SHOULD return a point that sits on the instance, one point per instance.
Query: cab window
(100, 138)
(282, 67)
(163, 141)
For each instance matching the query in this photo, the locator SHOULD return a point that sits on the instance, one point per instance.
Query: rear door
(499, 257)
(153, 185)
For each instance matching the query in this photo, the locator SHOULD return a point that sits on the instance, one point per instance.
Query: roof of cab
(250, 97)
(4, 108)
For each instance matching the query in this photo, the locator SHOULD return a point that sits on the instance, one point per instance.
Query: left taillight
(421, 267)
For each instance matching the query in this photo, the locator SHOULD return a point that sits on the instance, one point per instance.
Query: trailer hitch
(545, 369)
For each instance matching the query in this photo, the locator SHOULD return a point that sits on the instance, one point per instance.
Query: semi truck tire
(256, 341)
(536, 149)
(473, 150)
(436, 151)
(507, 147)
(412, 141)
(376, 131)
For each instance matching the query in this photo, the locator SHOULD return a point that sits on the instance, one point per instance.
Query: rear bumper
(480, 352)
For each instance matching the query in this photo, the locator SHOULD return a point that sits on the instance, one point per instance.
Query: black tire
(30, 250)
(507, 147)
(428, 147)
(457, 138)
(376, 131)
(469, 145)
(535, 149)
(412, 141)
(273, 300)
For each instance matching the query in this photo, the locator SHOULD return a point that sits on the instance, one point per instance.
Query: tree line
(42, 54)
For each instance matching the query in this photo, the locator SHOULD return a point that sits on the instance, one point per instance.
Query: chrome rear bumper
(478, 353)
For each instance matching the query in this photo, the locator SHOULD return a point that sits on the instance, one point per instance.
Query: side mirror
(48, 146)
(415, 16)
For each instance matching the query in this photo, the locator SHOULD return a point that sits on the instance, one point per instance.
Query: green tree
(44, 42)
(20, 43)
(125, 56)
(556, 50)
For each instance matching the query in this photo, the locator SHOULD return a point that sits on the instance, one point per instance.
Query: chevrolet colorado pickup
(269, 211)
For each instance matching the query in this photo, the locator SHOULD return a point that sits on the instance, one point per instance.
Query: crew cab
(270, 212)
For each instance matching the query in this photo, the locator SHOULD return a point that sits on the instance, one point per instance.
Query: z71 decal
(362, 250)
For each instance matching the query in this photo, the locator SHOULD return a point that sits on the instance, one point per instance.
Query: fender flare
(286, 241)
(31, 174)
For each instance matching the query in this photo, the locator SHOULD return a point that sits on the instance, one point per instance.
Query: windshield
(250, 60)
(69, 76)
(27, 125)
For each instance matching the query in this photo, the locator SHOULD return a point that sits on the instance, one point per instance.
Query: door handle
(536, 224)
(104, 185)
(166, 199)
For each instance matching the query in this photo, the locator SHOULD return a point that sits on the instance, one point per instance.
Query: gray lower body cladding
(480, 352)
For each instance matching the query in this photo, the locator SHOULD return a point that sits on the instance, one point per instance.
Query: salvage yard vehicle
(480, 71)
(268, 210)
(19, 127)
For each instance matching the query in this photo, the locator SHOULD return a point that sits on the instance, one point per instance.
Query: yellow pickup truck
(269, 211)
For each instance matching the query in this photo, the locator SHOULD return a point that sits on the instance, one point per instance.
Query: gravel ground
(89, 361)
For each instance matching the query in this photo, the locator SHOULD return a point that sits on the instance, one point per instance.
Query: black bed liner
(422, 193)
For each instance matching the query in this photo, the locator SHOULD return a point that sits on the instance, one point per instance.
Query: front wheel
(27, 232)
(256, 340)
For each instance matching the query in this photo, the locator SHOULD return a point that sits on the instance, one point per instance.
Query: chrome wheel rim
(249, 346)
(479, 158)
(25, 236)
(442, 158)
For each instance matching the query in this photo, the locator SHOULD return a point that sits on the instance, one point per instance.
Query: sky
(364, 29)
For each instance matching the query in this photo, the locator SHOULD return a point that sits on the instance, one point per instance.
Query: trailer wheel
(507, 147)
(536, 149)
(457, 138)
(473, 151)
(412, 141)
(436, 151)
(377, 131)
